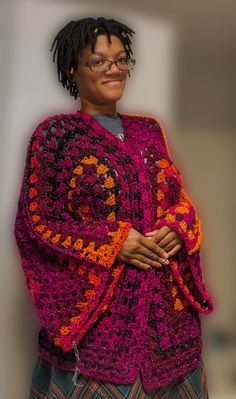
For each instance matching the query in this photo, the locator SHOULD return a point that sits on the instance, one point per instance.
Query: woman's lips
(113, 83)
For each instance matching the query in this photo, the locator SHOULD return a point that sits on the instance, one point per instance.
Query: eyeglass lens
(105, 65)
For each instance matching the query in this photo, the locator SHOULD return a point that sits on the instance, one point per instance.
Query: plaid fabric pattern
(52, 383)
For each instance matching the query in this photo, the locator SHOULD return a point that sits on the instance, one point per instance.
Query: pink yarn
(82, 191)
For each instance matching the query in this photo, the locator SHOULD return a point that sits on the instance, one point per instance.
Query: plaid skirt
(52, 383)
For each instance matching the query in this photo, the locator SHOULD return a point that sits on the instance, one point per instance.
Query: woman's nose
(113, 68)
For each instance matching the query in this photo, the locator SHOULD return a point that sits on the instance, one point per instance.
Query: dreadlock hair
(76, 35)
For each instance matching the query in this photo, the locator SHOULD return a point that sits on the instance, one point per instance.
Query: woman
(108, 238)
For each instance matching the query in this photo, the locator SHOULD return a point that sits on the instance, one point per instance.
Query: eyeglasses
(102, 65)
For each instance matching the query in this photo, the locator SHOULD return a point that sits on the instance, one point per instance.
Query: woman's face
(104, 87)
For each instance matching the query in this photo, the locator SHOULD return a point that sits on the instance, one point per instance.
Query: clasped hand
(152, 249)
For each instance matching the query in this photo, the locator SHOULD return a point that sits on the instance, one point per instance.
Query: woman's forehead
(103, 47)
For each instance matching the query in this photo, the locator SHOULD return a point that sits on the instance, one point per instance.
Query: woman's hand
(141, 252)
(167, 239)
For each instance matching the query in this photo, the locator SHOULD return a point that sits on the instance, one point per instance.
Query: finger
(149, 244)
(174, 250)
(148, 261)
(168, 247)
(167, 239)
(152, 258)
(140, 265)
(143, 255)
(162, 232)
(151, 233)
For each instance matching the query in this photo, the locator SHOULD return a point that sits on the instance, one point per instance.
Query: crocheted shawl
(82, 191)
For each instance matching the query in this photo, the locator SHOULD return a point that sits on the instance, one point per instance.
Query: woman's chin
(114, 95)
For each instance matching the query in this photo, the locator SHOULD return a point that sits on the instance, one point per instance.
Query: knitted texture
(82, 191)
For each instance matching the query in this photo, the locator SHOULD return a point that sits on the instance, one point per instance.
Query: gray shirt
(111, 123)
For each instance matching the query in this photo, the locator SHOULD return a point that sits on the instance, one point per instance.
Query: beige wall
(211, 183)
(32, 92)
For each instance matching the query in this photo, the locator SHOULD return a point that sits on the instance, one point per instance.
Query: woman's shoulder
(50, 129)
(54, 125)
(56, 119)
(144, 118)
(153, 125)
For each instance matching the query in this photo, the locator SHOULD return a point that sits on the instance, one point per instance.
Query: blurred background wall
(185, 76)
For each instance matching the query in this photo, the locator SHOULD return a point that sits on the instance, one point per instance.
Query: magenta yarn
(82, 191)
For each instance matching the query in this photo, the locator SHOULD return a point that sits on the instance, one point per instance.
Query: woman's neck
(109, 109)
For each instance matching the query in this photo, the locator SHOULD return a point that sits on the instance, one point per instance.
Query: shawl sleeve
(176, 210)
(69, 258)
(181, 216)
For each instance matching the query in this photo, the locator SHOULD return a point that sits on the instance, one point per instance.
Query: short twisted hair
(76, 35)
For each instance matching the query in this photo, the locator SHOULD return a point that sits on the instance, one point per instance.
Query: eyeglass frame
(88, 64)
